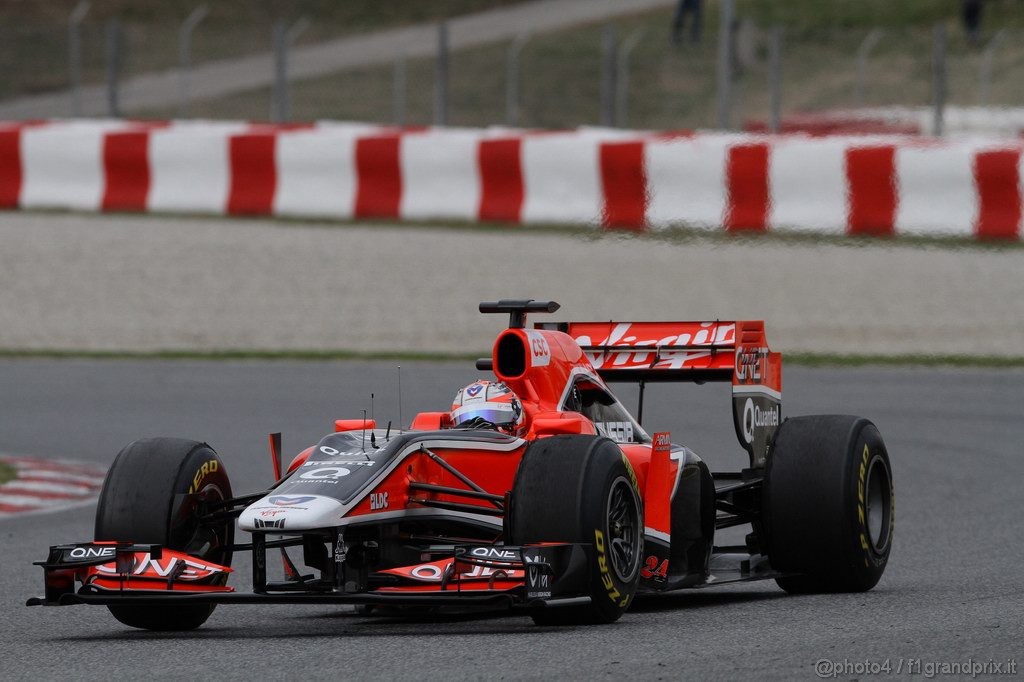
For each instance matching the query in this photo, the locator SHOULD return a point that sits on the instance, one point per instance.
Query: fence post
(622, 76)
(985, 77)
(512, 79)
(441, 76)
(398, 90)
(75, 53)
(608, 49)
(863, 52)
(938, 79)
(284, 36)
(775, 79)
(279, 100)
(725, 66)
(185, 55)
(113, 53)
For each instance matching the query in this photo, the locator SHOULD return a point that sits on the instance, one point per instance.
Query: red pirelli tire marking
(46, 485)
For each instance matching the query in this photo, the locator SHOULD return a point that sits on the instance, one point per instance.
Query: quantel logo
(755, 417)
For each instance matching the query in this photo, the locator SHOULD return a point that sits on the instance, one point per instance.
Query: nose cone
(291, 512)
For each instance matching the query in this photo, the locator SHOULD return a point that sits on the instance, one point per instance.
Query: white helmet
(488, 404)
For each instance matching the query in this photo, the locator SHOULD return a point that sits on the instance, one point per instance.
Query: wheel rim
(209, 542)
(623, 515)
(878, 498)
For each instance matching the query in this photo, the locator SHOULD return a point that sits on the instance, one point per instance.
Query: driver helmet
(488, 404)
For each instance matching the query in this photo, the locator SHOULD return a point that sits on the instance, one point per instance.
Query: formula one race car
(536, 490)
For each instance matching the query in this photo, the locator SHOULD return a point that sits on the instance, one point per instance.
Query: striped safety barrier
(878, 185)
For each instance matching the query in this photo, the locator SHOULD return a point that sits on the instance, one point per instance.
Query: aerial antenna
(373, 439)
(387, 434)
(363, 444)
(400, 421)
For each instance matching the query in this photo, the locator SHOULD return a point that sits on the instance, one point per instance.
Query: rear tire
(828, 504)
(582, 489)
(136, 505)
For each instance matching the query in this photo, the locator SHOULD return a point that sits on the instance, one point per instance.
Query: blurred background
(832, 65)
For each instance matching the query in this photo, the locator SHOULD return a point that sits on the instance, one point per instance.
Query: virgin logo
(657, 335)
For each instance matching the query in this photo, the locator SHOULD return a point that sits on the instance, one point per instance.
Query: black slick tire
(828, 504)
(582, 489)
(137, 504)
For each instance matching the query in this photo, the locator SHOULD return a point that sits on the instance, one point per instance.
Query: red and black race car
(569, 510)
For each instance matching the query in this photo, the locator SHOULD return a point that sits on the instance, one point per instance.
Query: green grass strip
(7, 473)
(677, 234)
(905, 360)
(790, 359)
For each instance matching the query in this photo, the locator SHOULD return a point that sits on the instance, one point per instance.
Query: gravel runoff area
(146, 283)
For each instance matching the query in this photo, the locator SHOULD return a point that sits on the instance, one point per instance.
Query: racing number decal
(653, 570)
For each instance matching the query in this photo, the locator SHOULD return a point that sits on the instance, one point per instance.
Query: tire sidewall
(610, 594)
(866, 564)
(202, 474)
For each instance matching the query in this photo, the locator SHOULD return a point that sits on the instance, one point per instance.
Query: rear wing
(697, 352)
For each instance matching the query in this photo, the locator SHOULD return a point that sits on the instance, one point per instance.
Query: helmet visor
(495, 413)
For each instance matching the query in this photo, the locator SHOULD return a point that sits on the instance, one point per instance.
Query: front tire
(582, 489)
(137, 504)
(828, 504)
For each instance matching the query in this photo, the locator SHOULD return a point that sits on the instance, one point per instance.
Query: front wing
(111, 573)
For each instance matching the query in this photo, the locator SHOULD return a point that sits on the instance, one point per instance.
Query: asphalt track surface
(952, 591)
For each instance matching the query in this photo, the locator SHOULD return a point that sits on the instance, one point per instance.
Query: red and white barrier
(620, 180)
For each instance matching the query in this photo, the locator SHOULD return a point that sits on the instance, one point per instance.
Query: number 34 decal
(653, 570)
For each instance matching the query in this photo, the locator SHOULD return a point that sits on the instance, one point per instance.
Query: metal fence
(631, 73)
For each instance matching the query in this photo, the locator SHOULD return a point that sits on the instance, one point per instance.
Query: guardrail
(612, 179)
